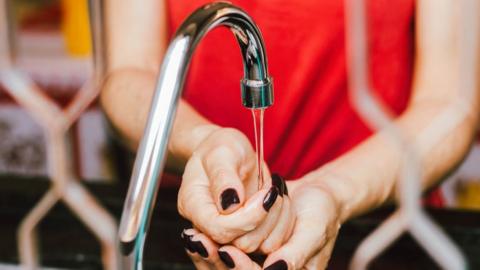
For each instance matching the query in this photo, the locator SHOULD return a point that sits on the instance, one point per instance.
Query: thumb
(315, 227)
(222, 166)
(196, 204)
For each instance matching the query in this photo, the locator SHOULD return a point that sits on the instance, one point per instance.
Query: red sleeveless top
(311, 121)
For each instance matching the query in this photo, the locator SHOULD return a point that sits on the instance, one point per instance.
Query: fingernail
(270, 198)
(200, 248)
(127, 247)
(187, 242)
(226, 259)
(278, 181)
(278, 265)
(229, 197)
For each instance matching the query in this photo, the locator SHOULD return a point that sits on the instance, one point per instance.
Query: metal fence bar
(55, 123)
(98, 39)
(5, 36)
(409, 215)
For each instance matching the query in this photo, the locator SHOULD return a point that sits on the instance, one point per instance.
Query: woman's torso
(311, 121)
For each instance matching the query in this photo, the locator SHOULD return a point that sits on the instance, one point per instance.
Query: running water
(258, 129)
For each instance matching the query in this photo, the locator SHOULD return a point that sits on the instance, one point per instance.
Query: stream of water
(258, 129)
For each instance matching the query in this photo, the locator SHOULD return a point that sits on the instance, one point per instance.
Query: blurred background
(51, 41)
(52, 45)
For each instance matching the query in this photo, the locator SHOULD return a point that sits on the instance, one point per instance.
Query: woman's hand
(219, 194)
(309, 247)
(316, 228)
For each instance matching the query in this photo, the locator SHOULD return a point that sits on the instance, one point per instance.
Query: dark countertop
(65, 242)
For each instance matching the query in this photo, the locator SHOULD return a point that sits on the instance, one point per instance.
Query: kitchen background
(52, 45)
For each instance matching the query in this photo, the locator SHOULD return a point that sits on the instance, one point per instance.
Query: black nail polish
(278, 181)
(126, 247)
(200, 248)
(257, 257)
(226, 259)
(278, 265)
(270, 198)
(187, 242)
(229, 197)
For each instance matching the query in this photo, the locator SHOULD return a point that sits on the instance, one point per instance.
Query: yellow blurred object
(468, 195)
(76, 27)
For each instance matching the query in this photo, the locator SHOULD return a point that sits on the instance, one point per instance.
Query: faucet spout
(257, 92)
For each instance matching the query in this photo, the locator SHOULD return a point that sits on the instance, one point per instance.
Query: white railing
(409, 216)
(55, 122)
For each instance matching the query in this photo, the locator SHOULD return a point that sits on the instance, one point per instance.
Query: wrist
(348, 201)
(184, 142)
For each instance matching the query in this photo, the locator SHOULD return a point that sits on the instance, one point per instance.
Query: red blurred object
(312, 121)
(42, 17)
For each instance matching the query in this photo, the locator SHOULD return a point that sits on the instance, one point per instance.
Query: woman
(312, 133)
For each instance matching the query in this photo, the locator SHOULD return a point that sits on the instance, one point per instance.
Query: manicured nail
(187, 242)
(226, 259)
(229, 197)
(200, 248)
(270, 198)
(257, 257)
(278, 181)
(278, 265)
(126, 247)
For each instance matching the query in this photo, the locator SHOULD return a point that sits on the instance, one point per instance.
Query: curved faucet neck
(256, 85)
(257, 92)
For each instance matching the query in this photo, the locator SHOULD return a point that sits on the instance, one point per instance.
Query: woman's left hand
(315, 231)
(309, 247)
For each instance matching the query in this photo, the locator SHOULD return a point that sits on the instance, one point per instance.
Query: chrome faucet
(257, 92)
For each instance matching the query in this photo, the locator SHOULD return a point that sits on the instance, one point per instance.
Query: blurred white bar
(45, 111)
(379, 240)
(5, 34)
(98, 39)
(55, 123)
(27, 234)
(16, 267)
(410, 215)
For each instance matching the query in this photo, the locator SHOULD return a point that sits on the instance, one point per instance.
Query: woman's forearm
(136, 40)
(136, 34)
(366, 176)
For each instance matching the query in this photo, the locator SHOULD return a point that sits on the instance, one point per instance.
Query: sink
(66, 244)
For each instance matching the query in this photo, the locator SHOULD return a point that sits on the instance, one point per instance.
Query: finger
(286, 222)
(222, 166)
(249, 216)
(253, 184)
(282, 230)
(191, 249)
(251, 241)
(199, 263)
(279, 182)
(206, 248)
(313, 229)
(320, 261)
(196, 204)
(195, 243)
(234, 258)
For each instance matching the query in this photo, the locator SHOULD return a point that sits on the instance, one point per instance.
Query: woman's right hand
(318, 219)
(219, 195)
(219, 192)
